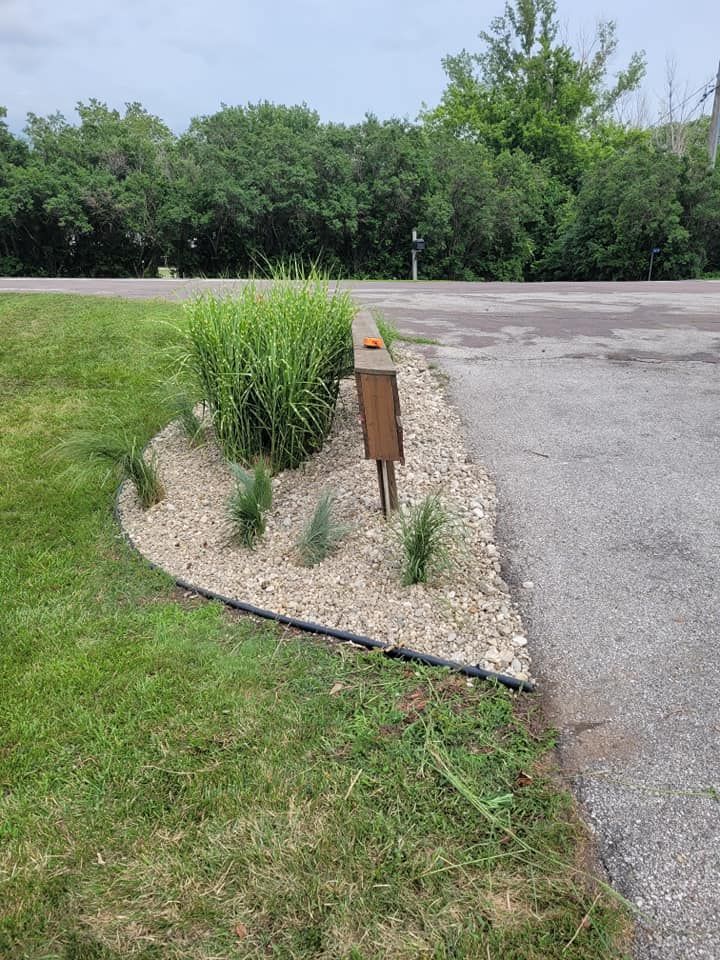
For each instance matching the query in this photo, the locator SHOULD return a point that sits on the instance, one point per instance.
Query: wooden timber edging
(376, 381)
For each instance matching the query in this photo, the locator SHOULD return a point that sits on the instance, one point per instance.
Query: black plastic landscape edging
(307, 626)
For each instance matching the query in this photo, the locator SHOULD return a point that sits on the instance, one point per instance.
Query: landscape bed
(464, 613)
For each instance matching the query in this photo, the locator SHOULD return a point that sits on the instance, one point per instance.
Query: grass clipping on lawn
(179, 784)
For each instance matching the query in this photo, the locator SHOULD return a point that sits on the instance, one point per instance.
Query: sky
(342, 57)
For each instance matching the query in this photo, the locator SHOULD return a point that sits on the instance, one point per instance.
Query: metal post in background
(714, 134)
(653, 251)
(418, 245)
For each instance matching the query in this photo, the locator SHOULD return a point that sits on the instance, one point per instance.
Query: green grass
(179, 784)
(249, 501)
(418, 338)
(388, 331)
(182, 408)
(268, 361)
(391, 335)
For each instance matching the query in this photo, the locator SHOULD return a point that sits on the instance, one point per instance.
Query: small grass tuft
(250, 500)
(391, 335)
(388, 331)
(124, 456)
(426, 534)
(182, 409)
(321, 534)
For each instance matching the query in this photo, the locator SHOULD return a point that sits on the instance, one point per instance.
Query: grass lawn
(176, 782)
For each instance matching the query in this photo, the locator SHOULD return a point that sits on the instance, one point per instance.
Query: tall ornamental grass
(268, 362)
(123, 456)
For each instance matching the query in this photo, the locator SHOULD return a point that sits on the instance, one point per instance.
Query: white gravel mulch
(465, 615)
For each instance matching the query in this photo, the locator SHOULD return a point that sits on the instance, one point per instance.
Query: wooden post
(376, 381)
(387, 485)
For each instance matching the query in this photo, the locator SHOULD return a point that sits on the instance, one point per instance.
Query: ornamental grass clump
(249, 501)
(182, 409)
(321, 534)
(124, 457)
(268, 362)
(426, 533)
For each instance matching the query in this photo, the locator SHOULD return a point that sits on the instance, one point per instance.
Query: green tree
(266, 183)
(527, 90)
(699, 195)
(488, 217)
(247, 186)
(628, 203)
(391, 176)
(521, 172)
(87, 199)
(13, 156)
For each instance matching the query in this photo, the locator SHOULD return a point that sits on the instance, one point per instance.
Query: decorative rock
(466, 615)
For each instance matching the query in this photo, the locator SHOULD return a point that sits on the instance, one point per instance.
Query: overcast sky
(343, 57)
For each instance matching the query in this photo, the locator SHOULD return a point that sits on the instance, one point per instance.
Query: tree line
(523, 171)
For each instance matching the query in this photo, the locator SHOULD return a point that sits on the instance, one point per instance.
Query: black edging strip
(397, 653)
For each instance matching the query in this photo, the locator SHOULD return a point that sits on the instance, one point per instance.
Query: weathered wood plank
(388, 486)
(376, 381)
(380, 411)
(369, 360)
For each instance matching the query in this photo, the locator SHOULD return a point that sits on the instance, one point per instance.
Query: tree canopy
(527, 90)
(522, 171)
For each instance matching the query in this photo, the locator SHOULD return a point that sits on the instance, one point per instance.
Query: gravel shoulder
(466, 614)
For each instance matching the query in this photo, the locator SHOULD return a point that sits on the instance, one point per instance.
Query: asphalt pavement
(597, 409)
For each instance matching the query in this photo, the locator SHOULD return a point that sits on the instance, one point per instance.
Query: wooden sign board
(376, 381)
